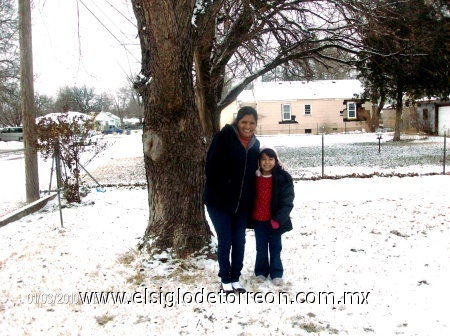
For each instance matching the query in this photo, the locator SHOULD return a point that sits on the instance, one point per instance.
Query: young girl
(273, 204)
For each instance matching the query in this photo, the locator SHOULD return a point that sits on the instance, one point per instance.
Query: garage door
(444, 120)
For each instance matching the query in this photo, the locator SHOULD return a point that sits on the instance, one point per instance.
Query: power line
(120, 42)
(121, 14)
(99, 15)
(123, 44)
(109, 18)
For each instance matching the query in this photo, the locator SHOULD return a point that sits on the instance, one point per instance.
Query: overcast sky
(73, 47)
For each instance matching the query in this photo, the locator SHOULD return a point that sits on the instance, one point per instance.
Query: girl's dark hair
(246, 110)
(270, 153)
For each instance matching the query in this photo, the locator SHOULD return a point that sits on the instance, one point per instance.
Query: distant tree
(104, 102)
(404, 53)
(434, 68)
(80, 99)
(10, 107)
(121, 100)
(43, 104)
(10, 113)
(135, 109)
(9, 48)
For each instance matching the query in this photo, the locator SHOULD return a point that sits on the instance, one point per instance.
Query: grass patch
(128, 257)
(102, 320)
(137, 278)
(311, 327)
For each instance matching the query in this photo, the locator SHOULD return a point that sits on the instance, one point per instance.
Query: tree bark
(373, 120)
(173, 144)
(209, 75)
(27, 99)
(377, 107)
(398, 113)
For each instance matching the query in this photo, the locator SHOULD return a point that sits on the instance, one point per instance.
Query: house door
(444, 120)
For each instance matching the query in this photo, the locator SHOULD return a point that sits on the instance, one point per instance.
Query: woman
(231, 163)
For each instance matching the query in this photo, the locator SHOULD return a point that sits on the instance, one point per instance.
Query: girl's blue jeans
(230, 230)
(268, 251)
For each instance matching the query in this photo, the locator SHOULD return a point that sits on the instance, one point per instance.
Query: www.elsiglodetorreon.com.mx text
(178, 297)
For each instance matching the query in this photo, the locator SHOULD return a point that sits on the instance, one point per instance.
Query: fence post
(58, 179)
(445, 151)
(323, 155)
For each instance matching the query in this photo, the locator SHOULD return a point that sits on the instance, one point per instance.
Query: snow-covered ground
(378, 246)
(12, 166)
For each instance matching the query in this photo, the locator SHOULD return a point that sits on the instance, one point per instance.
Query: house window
(351, 109)
(286, 112)
(425, 114)
(308, 131)
(308, 109)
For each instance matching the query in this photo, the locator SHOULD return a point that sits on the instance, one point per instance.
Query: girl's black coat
(282, 201)
(230, 171)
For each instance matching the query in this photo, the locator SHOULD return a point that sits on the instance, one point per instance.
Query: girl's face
(247, 126)
(267, 164)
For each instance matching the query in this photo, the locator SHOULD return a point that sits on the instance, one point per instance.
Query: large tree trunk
(208, 111)
(371, 122)
(174, 146)
(202, 62)
(398, 114)
(377, 107)
(209, 82)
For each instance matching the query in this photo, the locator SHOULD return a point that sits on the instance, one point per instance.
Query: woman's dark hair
(246, 110)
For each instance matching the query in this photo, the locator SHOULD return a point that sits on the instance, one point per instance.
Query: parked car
(90, 139)
(112, 130)
(11, 134)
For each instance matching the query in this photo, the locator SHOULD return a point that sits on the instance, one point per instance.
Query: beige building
(430, 116)
(328, 106)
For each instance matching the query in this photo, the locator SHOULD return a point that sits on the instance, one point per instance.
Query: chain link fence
(360, 155)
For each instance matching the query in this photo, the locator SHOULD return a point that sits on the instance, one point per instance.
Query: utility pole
(27, 100)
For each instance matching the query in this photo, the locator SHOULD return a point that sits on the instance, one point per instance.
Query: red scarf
(244, 140)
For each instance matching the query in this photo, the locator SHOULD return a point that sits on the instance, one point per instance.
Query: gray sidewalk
(22, 210)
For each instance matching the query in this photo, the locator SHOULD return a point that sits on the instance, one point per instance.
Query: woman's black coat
(230, 171)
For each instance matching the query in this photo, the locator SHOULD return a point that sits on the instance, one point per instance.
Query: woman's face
(247, 126)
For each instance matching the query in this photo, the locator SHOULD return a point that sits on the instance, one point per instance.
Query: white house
(105, 119)
(443, 118)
